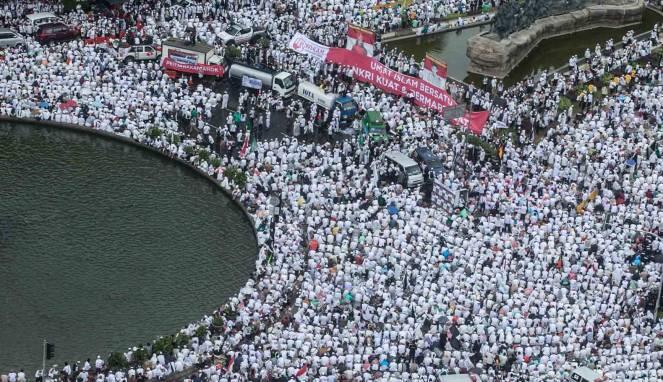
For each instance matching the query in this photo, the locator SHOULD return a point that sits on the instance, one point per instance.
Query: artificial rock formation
(491, 56)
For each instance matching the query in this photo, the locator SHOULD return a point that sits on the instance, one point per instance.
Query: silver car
(9, 38)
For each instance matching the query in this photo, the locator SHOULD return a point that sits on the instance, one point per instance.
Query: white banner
(304, 45)
(444, 196)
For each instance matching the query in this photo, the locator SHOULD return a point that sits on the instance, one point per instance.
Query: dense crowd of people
(546, 266)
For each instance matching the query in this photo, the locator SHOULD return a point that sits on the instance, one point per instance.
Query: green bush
(201, 331)
(473, 140)
(173, 138)
(236, 175)
(564, 104)
(181, 340)
(215, 162)
(232, 53)
(218, 321)
(164, 345)
(203, 154)
(190, 150)
(139, 356)
(606, 78)
(154, 132)
(117, 360)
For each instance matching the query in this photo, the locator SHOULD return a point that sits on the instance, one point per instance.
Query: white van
(411, 175)
(584, 374)
(39, 18)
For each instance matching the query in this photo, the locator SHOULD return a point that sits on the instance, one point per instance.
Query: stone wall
(490, 56)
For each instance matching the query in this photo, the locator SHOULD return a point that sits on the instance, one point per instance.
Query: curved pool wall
(129, 329)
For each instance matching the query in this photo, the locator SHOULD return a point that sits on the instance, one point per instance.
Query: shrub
(154, 132)
(203, 154)
(218, 321)
(173, 138)
(181, 340)
(189, 150)
(564, 104)
(117, 360)
(201, 331)
(236, 175)
(473, 140)
(139, 356)
(164, 345)
(215, 162)
(232, 53)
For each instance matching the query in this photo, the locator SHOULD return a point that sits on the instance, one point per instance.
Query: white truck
(238, 34)
(282, 83)
(185, 57)
(184, 52)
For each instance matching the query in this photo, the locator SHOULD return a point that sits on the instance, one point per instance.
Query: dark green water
(104, 245)
(554, 52)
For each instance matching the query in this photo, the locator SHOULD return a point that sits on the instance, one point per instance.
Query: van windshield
(412, 170)
(288, 83)
(348, 106)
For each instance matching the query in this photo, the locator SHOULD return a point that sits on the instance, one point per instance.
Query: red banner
(366, 69)
(204, 69)
(360, 40)
(435, 66)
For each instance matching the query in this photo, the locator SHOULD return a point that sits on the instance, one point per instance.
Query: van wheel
(129, 59)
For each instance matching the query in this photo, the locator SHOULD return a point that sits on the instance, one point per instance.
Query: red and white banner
(204, 69)
(369, 70)
(360, 40)
(302, 44)
(434, 71)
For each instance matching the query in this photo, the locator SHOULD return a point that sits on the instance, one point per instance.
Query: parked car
(140, 52)
(237, 34)
(56, 32)
(40, 18)
(9, 38)
(428, 161)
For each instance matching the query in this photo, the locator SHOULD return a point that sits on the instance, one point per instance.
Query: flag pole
(43, 361)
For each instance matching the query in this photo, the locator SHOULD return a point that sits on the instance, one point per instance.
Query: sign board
(453, 112)
(444, 196)
(250, 82)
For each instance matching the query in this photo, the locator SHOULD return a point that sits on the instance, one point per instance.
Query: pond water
(104, 245)
(554, 52)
